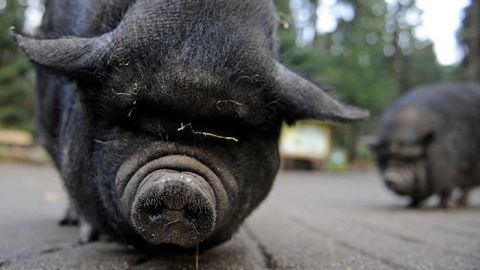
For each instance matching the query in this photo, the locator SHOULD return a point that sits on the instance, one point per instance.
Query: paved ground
(309, 221)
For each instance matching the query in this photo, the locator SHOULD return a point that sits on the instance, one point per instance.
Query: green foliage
(16, 89)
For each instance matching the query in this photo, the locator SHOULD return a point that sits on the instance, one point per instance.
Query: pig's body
(432, 136)
(163, 116)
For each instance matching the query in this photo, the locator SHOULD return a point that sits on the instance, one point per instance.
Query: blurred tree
(412, 61)
(469, 36)
(399, 32)
(16, 91)
(357, 66)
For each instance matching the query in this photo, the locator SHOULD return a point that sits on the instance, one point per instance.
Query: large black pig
(163, 116)
(429, 143)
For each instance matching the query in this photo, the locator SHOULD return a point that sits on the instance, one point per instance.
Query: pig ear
(65, 55)
(423, 138)
(374, 145)
(301, 99)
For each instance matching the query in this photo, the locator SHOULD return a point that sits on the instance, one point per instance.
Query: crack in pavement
(268, 258)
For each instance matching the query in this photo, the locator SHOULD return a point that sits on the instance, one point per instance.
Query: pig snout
(174, 199)
(399, 181)
(174, 207)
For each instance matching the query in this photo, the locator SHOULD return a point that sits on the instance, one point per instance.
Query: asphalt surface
(309, 221)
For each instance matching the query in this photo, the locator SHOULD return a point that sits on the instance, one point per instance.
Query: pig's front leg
(71, 216)
(88, 232)
(446, 199)
(462, 200)
(414, 203)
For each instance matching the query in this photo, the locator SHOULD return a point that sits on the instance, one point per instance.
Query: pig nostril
(191, 214)
(154, 212)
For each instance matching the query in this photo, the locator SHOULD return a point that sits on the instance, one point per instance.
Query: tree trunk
(352, 148)
(398, 65)
(317, 41)
(472, 70)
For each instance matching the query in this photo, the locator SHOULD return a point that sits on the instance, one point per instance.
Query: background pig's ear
(424, 138)
(69, 55)
(301, 99)
(374, 144)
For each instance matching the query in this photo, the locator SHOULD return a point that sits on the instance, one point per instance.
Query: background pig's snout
(399, 181)
(391, 184)
(174, 207)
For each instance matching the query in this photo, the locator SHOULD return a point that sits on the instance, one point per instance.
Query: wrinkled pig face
(185, 123)
(202, 148)
(184, 169)
(403, 165)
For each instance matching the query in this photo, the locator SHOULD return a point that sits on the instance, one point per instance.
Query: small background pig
(163, 116)
(429, 142)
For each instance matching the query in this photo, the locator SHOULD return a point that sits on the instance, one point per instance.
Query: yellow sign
(306, 140)
(15, 137)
